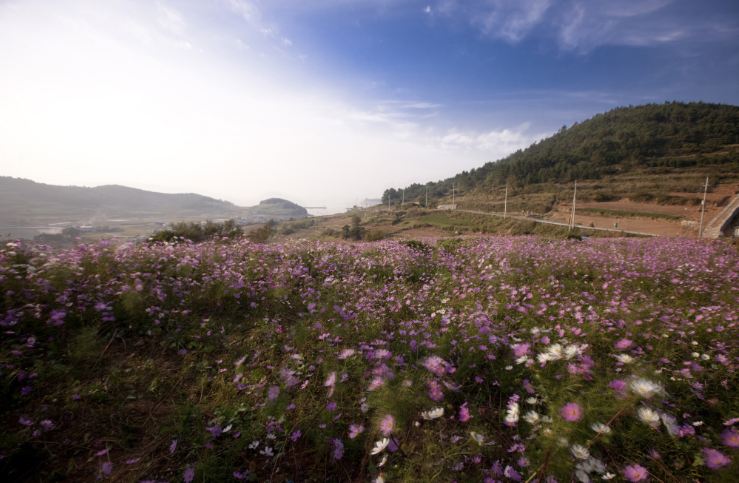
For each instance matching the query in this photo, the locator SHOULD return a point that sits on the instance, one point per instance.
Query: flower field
(494, 359)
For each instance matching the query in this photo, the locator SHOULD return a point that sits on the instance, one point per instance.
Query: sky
(329, 102)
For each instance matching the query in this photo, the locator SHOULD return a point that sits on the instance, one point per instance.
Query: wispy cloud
(583, 25)
(495, 143)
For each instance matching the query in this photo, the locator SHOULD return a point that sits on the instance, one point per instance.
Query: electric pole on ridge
(574, 200)
(703, 209)
(505, 201)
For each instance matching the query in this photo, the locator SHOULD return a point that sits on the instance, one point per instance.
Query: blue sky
(327, 102)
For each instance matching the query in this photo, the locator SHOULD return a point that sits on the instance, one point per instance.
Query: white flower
(648, 416)
(608, 476)
(380, 446)
(645, 388)
(554, 352)
(670, 424)
(382, 461)
(582, 477)
(479, 439)
(531, 400)
(379, 479)
(531, 417)
(624, 358)
(600, 428)
(573, 350)
(579, 451)
(511, 417)
(432, 413)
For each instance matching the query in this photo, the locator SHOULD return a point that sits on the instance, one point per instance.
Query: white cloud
(495, 144)
(511, 20)
(94, 94)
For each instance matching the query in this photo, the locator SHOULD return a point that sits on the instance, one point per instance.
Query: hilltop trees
(671, 135)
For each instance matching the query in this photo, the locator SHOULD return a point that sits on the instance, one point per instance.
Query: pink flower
(623, 344)
(355, 430)
(520, 350)
(464, 413)
(338, 451)
(618, 385)
(636, 473)
(715, 459)
(730, 437)
(436, 365)
(571, 412)
(387, 424)
(434, 391)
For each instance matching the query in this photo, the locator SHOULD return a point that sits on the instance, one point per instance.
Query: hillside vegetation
(649, 141)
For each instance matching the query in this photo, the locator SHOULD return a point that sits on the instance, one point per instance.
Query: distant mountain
(666, 137)
(25, 202)
(275, 208)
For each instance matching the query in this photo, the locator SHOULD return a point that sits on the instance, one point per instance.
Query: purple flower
(464, 413)
(635, 473)
(355, 430)
(571, 412)
(273, 392)
(434, 391)
(188, 475)
(436, 365)
(520, 350)
(107, 468)
(730, 437)
(618, 385)
(295, 435)
(715, 459)
(387, 425)
(338, 451)
(623, 344)
(56, 318)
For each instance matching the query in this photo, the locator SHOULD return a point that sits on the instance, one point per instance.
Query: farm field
(483, 359)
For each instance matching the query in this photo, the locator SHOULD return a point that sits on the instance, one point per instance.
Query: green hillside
(653, 139)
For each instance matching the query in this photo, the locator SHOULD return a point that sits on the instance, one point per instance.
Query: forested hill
(671, 135)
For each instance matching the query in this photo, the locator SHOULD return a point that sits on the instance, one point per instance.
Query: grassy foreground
(495, 359)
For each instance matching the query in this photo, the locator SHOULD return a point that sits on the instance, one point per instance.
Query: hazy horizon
(327, 103)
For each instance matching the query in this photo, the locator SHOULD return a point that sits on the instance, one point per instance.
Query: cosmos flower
(715, 459)
(432, 413)
(338, 449)
(355, 430)
(387, 425)
(571, 412)
(600, 428)
(730, 438)
(477, 438)
(464, 413)
(635, 473)
(580, 452)
(436, 365)
(648, 416)
(645, 388)
(380, 446)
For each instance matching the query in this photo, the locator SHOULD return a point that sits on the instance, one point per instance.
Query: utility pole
(427, 197)
(703, 209)
(452, 193)
(505, 201)
(402, 201)
(574, 200)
